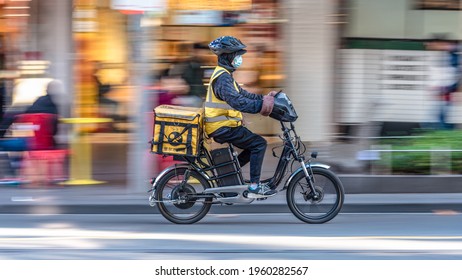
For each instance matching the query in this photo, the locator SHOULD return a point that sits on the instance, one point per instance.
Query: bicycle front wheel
(309, 208)
(179, 203)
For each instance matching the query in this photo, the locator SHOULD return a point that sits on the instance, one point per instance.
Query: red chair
(42, 162)
(41, 129)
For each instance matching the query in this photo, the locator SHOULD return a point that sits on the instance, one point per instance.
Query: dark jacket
(224, 89)
(454, 62)
(193, 74)
(241, 100)
(103, 89)
(45, 105)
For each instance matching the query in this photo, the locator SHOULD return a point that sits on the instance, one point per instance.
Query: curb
(357, 184)
(229, 209)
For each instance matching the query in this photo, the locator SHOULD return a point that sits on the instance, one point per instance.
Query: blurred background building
(384, 65)
(344, 63)
(290, 45)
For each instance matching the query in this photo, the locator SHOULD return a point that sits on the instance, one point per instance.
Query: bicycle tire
(165, 192)
(333, 191)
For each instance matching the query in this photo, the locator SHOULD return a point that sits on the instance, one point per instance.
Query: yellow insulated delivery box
(177, 130)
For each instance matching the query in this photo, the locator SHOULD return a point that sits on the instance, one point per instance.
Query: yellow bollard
(81, 154)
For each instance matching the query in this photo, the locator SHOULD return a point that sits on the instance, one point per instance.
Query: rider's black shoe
(262, 190)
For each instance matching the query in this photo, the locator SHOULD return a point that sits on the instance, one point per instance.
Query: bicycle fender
(313, 165)
(165, 171)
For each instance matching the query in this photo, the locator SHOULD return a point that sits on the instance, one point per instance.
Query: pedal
(262, 198)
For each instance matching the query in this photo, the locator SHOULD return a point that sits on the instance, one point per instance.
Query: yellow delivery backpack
(177, 130)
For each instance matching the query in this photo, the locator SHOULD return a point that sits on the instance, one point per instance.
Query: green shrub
(420, 162)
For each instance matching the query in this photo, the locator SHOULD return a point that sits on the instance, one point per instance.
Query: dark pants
(253, 146)
(109, 107)
(444, 108)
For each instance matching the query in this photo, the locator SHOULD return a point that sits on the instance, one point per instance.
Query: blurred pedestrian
(36, 129)
(194, 72)
(444, 76)
(188, 71)
(43, 105)
(158, 95)
(103, 90)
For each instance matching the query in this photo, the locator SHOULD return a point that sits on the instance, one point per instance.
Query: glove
(268, 104)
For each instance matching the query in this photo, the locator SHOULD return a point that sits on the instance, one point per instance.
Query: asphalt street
(358, 236)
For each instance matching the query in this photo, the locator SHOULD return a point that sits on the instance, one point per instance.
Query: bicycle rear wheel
(179, 204)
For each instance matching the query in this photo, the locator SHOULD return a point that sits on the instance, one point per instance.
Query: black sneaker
(262, 190)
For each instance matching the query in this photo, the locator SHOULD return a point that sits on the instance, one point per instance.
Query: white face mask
(237, 61)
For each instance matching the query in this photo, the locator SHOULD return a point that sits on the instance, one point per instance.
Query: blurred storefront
(60, 39)
(36, 47)
(259, 24)
(102, 34)
(291, 48)
(289, 44)
(92, 47)
(385, 66)
(101, 66)
(14, 19)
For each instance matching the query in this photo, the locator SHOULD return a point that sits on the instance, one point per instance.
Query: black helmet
(227, 44)
(283, 109)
